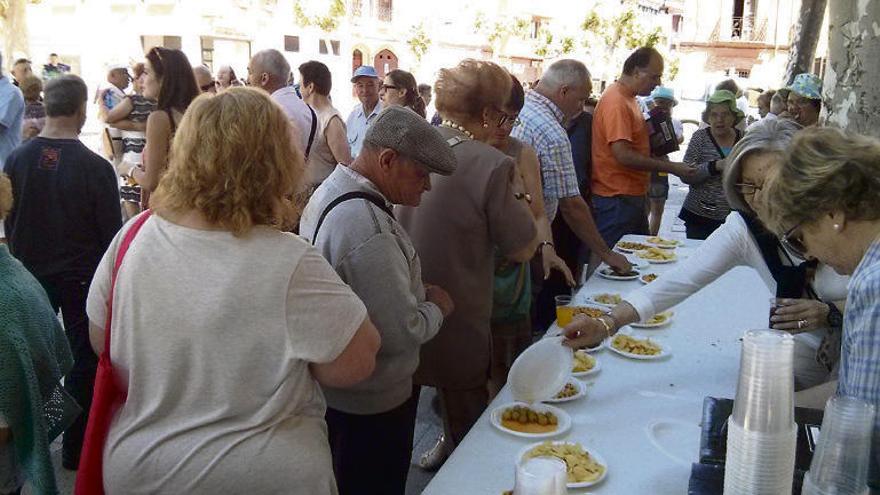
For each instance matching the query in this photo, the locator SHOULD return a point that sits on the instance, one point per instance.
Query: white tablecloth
(643, 417)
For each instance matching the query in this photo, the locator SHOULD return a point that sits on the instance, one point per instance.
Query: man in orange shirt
(622, 161)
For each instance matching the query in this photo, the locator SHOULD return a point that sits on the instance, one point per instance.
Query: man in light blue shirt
(366, 83)
(11, 115)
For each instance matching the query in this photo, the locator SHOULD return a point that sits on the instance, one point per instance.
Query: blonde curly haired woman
(223, 324)
(825, 202)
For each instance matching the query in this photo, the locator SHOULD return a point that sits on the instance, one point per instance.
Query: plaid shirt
(860, 353)
(541, 128)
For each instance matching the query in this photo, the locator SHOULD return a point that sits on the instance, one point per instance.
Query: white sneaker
(434, 458)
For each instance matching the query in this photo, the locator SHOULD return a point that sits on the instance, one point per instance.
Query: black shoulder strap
(171, 119)
(372, 198)
(717, 147)
(312, 132)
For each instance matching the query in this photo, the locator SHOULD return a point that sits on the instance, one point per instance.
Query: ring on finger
(801, 324)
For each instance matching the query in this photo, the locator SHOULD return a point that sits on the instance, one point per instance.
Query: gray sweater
(373, 254)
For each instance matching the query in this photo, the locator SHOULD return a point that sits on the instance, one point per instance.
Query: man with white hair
(559, 97)
(270, 71)
(204, 79)
(11, 115)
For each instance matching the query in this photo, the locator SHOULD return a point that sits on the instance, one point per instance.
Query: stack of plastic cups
(761, 432)
(840, 464)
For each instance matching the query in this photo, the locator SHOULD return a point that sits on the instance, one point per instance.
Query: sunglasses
(207, 87)
(389, 86)
(793, 241)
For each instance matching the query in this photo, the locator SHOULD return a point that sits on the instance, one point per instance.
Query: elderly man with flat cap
(349, 219)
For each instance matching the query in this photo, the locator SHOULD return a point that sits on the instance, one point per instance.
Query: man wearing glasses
(366, 85)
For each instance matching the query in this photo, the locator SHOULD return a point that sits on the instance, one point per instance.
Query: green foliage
(418, 42)
(593, 23)
(328, 22)
(567, 45)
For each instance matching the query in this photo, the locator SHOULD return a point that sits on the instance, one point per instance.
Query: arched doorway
(384, 62)
(357, 60)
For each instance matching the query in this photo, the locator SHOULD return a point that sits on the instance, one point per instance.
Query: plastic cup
(765, 391)
(564, 311)
(541, 370)
(840, 464)
(540, 476)
(759, 462)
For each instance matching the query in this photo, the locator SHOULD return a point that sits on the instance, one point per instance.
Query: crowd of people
(255, 289)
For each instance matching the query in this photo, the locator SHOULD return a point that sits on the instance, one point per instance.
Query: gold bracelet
(606, 325)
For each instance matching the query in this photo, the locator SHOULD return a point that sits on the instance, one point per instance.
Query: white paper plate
(583, 484)
(646, 283)
(562, 416)
(595, 369)
(592, 298)
(598, 348)
(611, 276)
(664, 353)
(581, 392)
(670, 316)
(658, 262)
(627, 250)
(664, 246)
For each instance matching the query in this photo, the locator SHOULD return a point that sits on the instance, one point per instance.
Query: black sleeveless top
(792, 278)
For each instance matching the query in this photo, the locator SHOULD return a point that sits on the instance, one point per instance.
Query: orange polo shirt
(618, 117)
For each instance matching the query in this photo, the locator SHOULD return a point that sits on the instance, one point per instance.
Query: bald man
(270, 71)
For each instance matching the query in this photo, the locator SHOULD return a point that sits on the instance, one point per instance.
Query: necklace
(452, 125)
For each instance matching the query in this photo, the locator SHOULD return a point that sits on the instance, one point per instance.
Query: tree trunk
(806, 37)
(14, 29)
(852, 78)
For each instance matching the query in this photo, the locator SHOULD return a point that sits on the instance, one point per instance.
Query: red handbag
(108, 395)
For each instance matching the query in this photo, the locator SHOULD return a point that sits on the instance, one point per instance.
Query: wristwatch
(835, 317)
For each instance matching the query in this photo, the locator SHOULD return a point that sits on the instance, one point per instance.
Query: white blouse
(731, 245)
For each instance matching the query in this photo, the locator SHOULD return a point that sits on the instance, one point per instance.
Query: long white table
(643, 417)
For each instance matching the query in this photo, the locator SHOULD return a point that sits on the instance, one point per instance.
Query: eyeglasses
(747, 189)
(793, 241)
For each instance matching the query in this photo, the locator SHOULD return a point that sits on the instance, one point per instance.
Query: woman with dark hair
(511, 321)
(169, 80)
(331, 144)
(399, 88)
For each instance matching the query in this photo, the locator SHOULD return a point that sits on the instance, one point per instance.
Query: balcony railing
(741, 29)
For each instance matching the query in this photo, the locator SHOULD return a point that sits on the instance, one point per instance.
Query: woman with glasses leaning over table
(826, 202)
(810, 296)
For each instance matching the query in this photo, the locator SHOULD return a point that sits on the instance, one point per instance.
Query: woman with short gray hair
(809, 297)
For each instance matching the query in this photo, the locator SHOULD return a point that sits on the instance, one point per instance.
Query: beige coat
(455, 230)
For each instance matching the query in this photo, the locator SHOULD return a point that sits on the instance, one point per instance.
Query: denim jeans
(617, 216)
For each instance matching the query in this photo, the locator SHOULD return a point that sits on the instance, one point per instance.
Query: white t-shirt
(212, 336)
(298, 113)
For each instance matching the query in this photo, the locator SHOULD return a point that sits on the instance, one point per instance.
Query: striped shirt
(705, 198)
(860, 350)
(541, 128)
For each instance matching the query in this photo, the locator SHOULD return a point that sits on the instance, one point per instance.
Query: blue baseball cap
(364, 71)
(664, 93)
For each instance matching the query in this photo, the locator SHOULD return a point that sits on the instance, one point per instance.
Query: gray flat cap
(407, 133)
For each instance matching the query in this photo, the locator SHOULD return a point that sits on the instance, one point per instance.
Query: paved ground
(428, 425)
